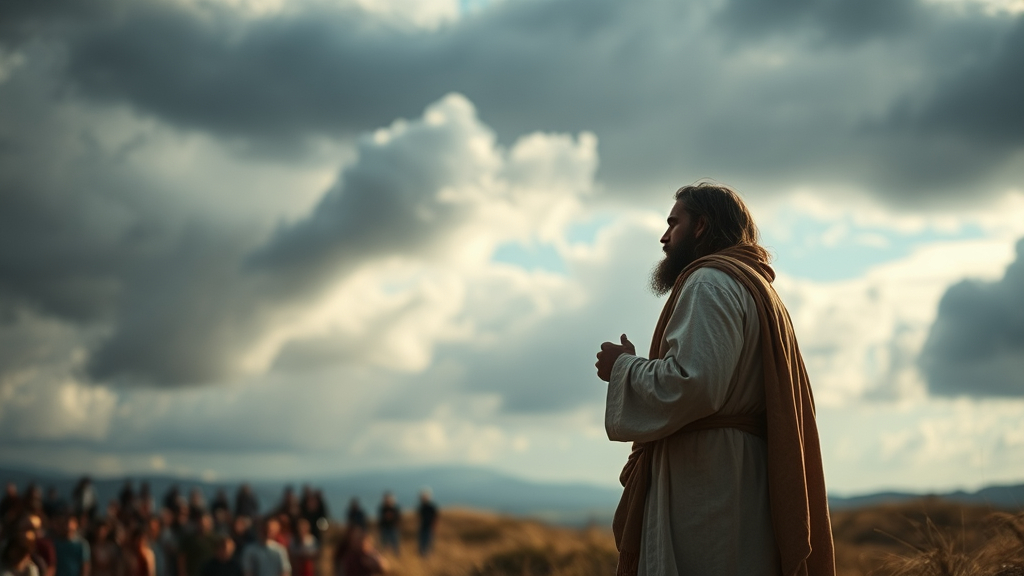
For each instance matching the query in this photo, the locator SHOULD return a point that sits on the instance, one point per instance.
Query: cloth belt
(756, 425)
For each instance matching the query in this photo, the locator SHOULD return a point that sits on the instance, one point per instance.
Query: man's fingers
(625, 341)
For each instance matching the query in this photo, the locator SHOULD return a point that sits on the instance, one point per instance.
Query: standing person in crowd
(265, 557)
(73, 553)
(222, 522)
(220, 504)
(361, 559)
(389, 521)
(289, 506)
(144, 502)
(172, 499)
(304, 550)
(320, 504)
(284, 533)
(127, 495)
(179, 530)
(154, 539)
(197, 547)
(428, 515)
(196, 505)
(314, 510)
(242, 535)
(246, 503)
(45, 554)
(10, 505)
(32, 501)
(223, 562)
(355, 517)
(139, 559)
(53, 504)
(106, 556)
(84, 499)
(16, 554)
(168, 541)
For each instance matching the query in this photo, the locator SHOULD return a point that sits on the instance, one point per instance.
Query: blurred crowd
(179, 535)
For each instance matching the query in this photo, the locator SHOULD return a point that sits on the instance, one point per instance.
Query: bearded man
(725, 474)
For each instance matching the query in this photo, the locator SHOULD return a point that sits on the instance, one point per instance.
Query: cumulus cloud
(862, 331)
(940, 445)
(177, 299)
(976, 345)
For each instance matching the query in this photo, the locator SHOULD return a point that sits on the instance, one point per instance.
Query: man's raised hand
(609, 353)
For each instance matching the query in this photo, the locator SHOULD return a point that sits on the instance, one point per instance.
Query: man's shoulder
(709, 275)
(717, 279)
(717, 286)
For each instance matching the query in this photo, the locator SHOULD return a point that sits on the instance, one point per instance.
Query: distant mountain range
(1009, 497)
(468, 487)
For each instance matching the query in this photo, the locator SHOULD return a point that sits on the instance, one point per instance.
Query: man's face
(272, 529)
(70, 526)
(679, 242)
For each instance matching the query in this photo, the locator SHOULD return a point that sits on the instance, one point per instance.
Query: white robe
(707, 510)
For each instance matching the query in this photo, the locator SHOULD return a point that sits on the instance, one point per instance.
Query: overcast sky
(270, 239)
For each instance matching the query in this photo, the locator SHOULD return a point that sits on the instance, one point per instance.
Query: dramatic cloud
(976, 346)
(184, 301)
(907, 99)
(364, 233)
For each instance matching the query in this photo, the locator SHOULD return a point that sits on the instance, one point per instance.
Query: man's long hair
(727, 221)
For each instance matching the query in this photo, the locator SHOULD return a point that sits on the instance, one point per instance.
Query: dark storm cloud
(85, 238)
(69, 226)
(980, 92)
(186, 299)
(389, 203)
(665, 85)
(976, 346)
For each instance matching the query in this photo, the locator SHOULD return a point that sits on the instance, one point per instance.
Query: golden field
(925, 537)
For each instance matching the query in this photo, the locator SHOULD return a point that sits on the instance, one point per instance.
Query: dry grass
(928, 537)
(473, 543)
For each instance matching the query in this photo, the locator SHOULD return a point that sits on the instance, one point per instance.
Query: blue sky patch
(841, 250)
(585, 232)
(530, 257)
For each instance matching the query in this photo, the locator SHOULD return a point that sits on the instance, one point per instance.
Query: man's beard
(665, 273)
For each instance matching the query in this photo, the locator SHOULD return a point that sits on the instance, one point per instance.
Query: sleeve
(651, 399)
(286, 566)
(86, 553)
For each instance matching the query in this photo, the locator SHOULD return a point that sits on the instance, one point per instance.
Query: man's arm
(651, 399)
